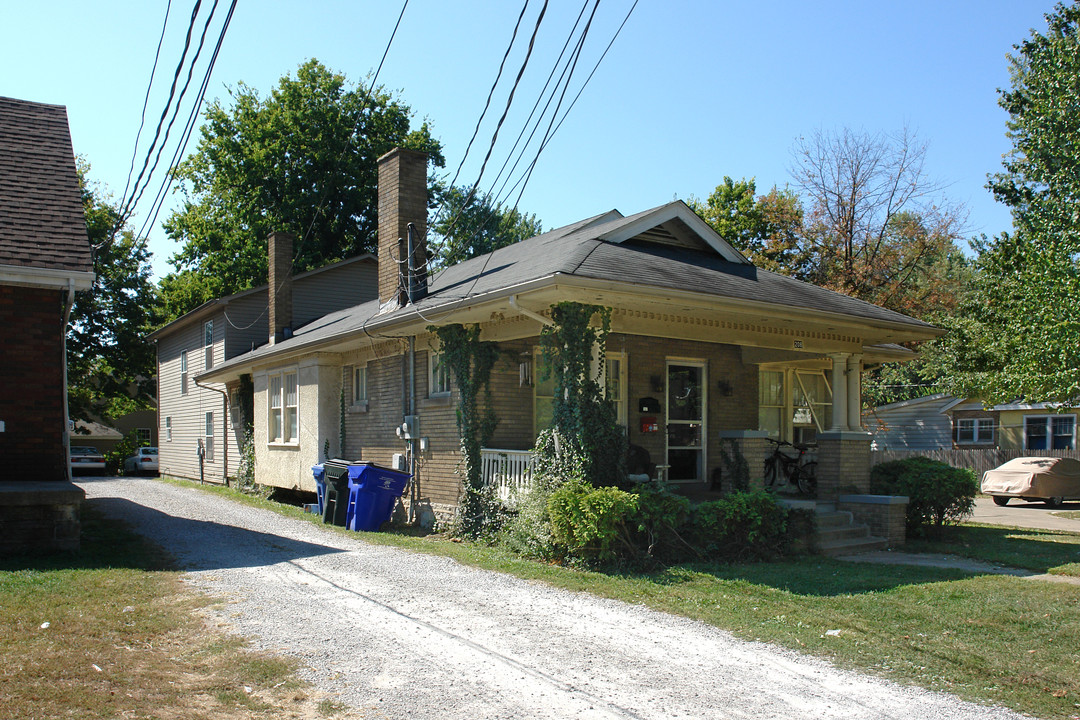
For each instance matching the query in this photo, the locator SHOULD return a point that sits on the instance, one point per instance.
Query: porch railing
(508, 471)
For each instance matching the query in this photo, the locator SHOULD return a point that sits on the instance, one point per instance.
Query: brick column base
(754, 447)
(886, 515)
(843, 464)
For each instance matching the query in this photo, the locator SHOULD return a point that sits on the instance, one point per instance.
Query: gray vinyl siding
(179, 457)
(334, 289)
(917, 425)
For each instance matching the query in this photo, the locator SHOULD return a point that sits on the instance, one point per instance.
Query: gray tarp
(1041, 477)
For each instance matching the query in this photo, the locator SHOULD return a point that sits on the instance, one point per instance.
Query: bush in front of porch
(938, 493)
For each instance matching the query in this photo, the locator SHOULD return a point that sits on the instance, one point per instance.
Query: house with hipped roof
(706, 351)
(45, 258)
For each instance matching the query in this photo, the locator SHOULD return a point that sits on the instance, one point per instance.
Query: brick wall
(843, 464)
(885, 515)
(32, 385)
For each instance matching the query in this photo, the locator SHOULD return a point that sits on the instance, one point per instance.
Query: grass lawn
(111, 631)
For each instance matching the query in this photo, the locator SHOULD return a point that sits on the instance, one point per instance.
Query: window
(183, 372)
(1050, 432)
(359, 385)
(974, 430)
(142, 436)
(543, 395)
(615, 384)
(771, 402)
(284, 405)
(208, 443)
(438, 374)
(168, 429)
(208, 343)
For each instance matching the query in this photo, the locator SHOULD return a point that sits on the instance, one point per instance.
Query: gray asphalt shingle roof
(577, 250)
(41, 213)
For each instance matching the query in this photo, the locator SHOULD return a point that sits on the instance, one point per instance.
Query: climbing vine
(470, 362)
(584, 441)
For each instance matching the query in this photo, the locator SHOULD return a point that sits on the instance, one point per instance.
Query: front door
(686, 403)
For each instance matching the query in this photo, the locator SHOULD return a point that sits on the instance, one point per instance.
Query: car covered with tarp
(1047, 479)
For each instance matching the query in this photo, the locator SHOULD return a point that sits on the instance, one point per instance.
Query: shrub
(658, 524)
(114, 459)
(938, 493)
(592, 524)
(741, 526)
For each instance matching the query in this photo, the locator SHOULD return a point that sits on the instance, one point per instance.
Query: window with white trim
(183, 372)
(615, 384)
(208, 438)
(359, 385)
(974, 430)
(543, 395)
(142, 436)
(168, 429)
(208, 344)
(1049, 432)
(438, 374)
(283, 404)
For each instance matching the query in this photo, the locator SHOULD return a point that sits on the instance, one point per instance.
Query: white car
(86, 459)
(145, 460)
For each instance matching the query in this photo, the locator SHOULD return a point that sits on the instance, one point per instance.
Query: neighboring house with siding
(705, 350)
(918, 424)
(45, 258)
(942, 421)
(201, 426)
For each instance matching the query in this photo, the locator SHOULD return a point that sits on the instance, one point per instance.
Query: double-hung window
(974, 430)
(615, 384)
(208, 442)
(183, 372)
(284, 420)
(1050, 432)
(438, 374)
(208, 344)
(359, 385)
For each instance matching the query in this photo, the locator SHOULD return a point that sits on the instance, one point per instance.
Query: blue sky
(690, 92)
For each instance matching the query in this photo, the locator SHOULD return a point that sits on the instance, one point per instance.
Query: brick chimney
(281, 250)
(402, 200)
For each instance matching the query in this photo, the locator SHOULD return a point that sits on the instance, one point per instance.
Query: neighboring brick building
(705, 349)
(45, 258)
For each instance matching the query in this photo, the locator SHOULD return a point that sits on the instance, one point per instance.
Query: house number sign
(798, 344)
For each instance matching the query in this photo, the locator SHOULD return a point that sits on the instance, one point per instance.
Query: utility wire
(125, 208)
(146, 99)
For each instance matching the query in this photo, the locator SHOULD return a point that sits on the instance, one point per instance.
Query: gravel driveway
(402, 635)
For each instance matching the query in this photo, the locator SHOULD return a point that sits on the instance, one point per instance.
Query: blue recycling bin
(373, 490)
(320, 485)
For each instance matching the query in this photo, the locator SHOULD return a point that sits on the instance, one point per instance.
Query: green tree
(767, 228)
(303, 160)
(1029, 282)
(471, 225)
(110, 364)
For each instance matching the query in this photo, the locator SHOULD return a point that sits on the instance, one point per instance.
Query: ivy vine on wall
(470, 362)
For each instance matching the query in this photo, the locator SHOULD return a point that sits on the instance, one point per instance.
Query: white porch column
(854, 392)
(839, 392)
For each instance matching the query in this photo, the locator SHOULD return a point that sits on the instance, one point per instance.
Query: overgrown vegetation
(114, 459)
(470, 362)
(938, 493)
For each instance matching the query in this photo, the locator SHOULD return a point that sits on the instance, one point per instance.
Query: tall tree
(303, 160)
(874, 219)
(470, 225)
(110, 364)
(767, 228)
(1029, 287)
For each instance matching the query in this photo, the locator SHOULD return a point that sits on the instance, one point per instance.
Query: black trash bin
(335, 506)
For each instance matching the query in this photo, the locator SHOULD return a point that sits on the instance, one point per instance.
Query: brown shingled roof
(41, 213)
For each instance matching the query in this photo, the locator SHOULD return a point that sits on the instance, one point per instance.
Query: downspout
(68, 304)
(412, 434)
(530, 314)
(225, 430)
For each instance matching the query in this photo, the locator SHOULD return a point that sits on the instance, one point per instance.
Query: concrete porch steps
(837, 531)
(839, 534)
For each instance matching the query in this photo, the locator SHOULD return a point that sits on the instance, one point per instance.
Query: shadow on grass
(1038, 550)
(119, 533)
(811, 576)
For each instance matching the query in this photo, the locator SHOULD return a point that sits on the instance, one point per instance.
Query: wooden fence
(978, 460)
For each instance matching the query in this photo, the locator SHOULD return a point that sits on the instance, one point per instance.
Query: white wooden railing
(508, 471)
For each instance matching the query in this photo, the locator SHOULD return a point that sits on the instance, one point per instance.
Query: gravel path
(402, 635)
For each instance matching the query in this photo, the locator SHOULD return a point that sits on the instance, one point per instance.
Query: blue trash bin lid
(372, 477)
